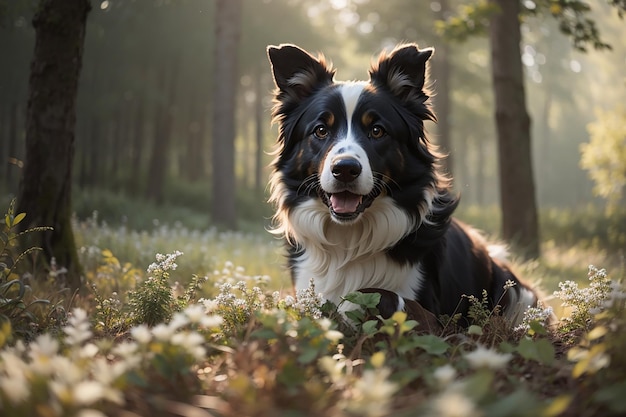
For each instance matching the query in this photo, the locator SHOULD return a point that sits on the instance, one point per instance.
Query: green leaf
(308, 356)
(356, 316)
(537, 328)
(539, 350)
(265, 334)
(370, 327)
(518, 403)
(613, 397)
(432, 344)
(367, 300)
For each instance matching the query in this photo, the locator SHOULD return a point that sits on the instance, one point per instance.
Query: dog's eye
(321, 132)
(377, 132)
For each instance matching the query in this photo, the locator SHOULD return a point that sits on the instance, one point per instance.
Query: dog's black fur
(359, 194)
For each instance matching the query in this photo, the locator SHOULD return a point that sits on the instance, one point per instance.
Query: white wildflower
(14, 384)
(178, 320)
(192, 342)
(90, 412)
(452, 403)
(87, 392)
(90, 350)
(333, 367)
(66, 370)
(487, 358)
(509, 284)
(209, 305)
(325, 323)
(212, 321)
(539, 314)
(333, 335)
(445, 375)
(141, 334)
(78, 330)
(163, 332)
(41, 353)
(126, 349)
(195, 312)
(372, 393)
(164, 263)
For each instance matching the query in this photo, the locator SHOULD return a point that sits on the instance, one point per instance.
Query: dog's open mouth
(346, 206)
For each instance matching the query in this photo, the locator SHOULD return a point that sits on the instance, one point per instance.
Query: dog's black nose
(346, 169)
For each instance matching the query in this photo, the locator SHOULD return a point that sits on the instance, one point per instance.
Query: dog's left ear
(402, 71)
(296, 72)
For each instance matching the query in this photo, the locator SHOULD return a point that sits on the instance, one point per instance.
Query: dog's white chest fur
(345, 258)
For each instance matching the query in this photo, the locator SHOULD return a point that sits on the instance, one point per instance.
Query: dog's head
(350, 143)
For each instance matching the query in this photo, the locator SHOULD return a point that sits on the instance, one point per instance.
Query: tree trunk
(228, 25)
(46, 185)
(517, 188)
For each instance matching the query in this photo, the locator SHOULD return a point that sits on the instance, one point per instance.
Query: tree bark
(228, 28)
(46, 184)
(517, 188)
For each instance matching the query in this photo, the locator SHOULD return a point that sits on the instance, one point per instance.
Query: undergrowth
(167, 341)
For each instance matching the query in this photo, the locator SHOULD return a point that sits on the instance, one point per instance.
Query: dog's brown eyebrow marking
(329, 118)
(367, 118)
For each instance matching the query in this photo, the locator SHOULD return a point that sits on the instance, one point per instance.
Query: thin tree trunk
(517, 188)
(481, 150)
(12, 161)
(259, 117)
(137, 145)
(94, 172)
(46, 186)
(442, 97)
(227, 22)
(159, 161)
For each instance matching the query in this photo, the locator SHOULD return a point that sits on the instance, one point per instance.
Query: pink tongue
(344, 202)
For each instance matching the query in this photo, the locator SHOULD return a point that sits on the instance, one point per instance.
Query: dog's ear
(403, 71)
(296, 72)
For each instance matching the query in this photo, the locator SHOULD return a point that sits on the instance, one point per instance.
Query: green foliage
(469, 20)
(604, 157)
(16, 304)
(571, 15)
(152, 301)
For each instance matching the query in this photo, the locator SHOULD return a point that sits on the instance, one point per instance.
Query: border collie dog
(359, 196)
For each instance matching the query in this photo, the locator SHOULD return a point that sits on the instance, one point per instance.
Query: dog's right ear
(296, 72)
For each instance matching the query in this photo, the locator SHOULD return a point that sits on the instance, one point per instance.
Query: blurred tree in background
(225, 83)
(520, 223)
